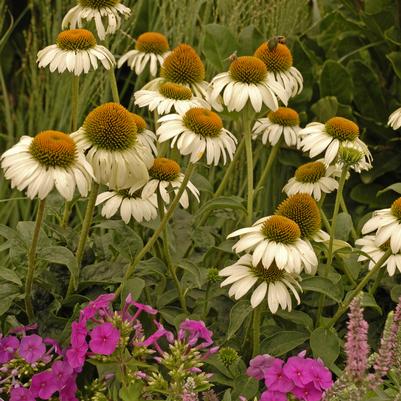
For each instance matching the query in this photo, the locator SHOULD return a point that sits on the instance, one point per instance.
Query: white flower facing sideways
(167, 96)
(109, 137)
(106, 13)
(246, 80)
(166, 177)
(352, 156)
(284, 122)
(196, 132)
(75, 51)
(394, 121)
(130, 204)
(375, 252)
(313, 178)
(50, 159)
(387, 225)
(317, 138)
(145, 136)
(276, 239)
(272, 283)
(150, 48)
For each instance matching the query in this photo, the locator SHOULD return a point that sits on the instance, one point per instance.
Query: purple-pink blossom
(69, 390)
(76, 356)
(275, 378)
(21, 394)
(318, 374)
(32, 348)
(43, 385)
(8, 346)
(259, 365)
(62, 372)
(104, 339)
(78, 333)
(307, 393)
(153, 338)
(273, 396)
(195, 330)
(295, 370)
(102, 302)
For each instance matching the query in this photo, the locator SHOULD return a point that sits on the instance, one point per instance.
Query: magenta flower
(195, 330)
(43, 385)
(273, 396)
(76, 356)
(69, 390)
(102, 302)
(259, 365)
(275, 378)
(32, 348)
(295, 369)
(21, 394)
(104, 339)
(318, 374)
(307, 393)
(8, 346)
(159, 333)
(78, 333)
(62, 371)
(54, 344)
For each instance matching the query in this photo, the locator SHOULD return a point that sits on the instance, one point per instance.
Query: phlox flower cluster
(304, 378)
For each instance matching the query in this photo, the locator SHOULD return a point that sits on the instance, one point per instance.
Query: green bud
(228, 356)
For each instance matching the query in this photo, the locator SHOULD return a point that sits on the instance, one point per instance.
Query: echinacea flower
(272, 283)
(145, 136)
(167, 96)
(276, 240)
(246, 80)
(76, 51)
(313, 178)
(131, 204)
(100, 11)
(387, 223)
(394, 120)
(374, 252)
(150, 48)
(166, 177)
(196, 132)
(104, 339)
(32, 348)
(109, 136)
(317, 138)
(278, 61)
(43, 385)
(282, 123)
(352, 156)
(50, 159)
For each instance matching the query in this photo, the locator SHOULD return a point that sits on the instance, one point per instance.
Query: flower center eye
(140, 123)
(277, 59)
(302, 209)
(98, 3)
(342, 129)
(284, 116)
(53, 149)
(270, 275)
(111, 127)
(183, 66)
(175, 91)
(164, 169)
(396, 208)
(152, 42)
(248, 69)
(310, 172)
(76, 39)
(203, 122)
(281, 229)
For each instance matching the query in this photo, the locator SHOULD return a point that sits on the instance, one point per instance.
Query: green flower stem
(376, 284)
(249, 169)
(113, 85)
(206, 301)
(344, 305)
(32, 260)
(167, 255)
(256, 322)
(156, 234)
(86, 224)
(345, 210)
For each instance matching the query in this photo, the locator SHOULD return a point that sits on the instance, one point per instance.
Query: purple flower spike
(259, 365)
(43, 385)
(195, 329)
(21, 394)
(32, 348)
(8, 346)
(275, 378)
(104, 339)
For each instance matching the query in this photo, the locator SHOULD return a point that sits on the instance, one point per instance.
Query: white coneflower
(75, 51)
(106, 14)
(272, 283)
(303, 209)
(313, 178)
(145, 136)
(278, 61)
(394, 121)
(50, 159)
(387, 222)
(131, 204)
(167, 96)
(375, 252)
(109, 135)
(196, 132)
(166, 177)
(247, 79)
(276, 239)
(317, 138)
(150, 48)
(354, 157)
(282, 122)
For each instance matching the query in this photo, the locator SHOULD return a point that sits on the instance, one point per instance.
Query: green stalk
(113, 85)
(257, 315)
(249, 169)
(376, 284)
(345, 210)
(32, 260)
(156, 234)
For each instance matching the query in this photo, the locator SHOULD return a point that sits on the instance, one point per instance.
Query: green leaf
(132, 392)
(297, 317)
(395, 60)
(368, 301)
(227, 395)
(8, 293)
(239, 312)
(396, 293)
(133, 286)
(325, 344)
(325, 108)
(394, 187)
(221, 202)
(249, 40)
(323, 286)
(283, 341)
(344, 226)
(335, 80)
(193, 273)
(10, 275)
(245, 386)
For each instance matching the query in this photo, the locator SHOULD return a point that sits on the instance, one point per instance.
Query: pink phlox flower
(21, 394)
(308, 393)
(32, 348)
(104, 339)
(43, 385)
(55, 345)
(259, 365)
(193, 331)
(296, 369)
(319, 374)
(157, 335)
(269, 395)
(23, 329)
(76, 355)
(275, 378)
(62, 372)
(8, 347)
(129, 301)
(68, 393)
(78, 333)
(102, 302)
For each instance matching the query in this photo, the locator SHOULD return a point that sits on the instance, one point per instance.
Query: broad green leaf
(297, 317)
(394, 187)
(132, 392)
(368, 301)
(335, 80)
(344, 226)
(239, 312)
(221, 202)
(249, 40)
(325, 344)
(393, 34)
(395, 60)
(133, 286)
(325, 108)
(10, 275)
(8, 293)
(245, 386)
(194, 277)
(323, 286)
(283, 341)
(227, 395)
